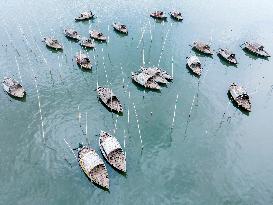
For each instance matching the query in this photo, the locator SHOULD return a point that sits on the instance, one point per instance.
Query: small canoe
(84, 16)
(145, 80)
(120, 28)
(87, 43)
(13, 88)
(194, 64)
(72, 34)
(83, 61)
(112, 151)
(52, 43)
(256, 49)
(97, 35)
(240, 96)
(202, 47)
(93, 166)
(159, 75)
(158, 15)
(176, 15)
(107, 96)
(227, 55)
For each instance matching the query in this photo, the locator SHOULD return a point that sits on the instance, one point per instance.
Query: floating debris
(97, 35)
(240, 96)
(120, 28)
(72, 34)
(109, 99)
(93, 166)
(112, 151)
(53, 43)
(85, 16)
(256, 49)
(87, 43)
(194, 64)
(176, 15)
(13, 87)
(227, 55)
(202, 47)
(158, 15)
(83, 61)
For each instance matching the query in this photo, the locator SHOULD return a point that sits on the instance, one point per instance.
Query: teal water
(215, 154)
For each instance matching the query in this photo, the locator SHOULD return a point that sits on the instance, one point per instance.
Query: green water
(215, 154)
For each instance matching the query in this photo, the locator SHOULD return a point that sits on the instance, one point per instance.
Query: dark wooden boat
(87, 43)
(83, 61)
(240, 96)
(194, 64)
(120, 28)
(93, 166)
(13, 88)
(85, 16)
(112, 151)
(52, 43)
(256, 49)
(146, 80)
(72, 34)
(227, 55)
(159, 75)
(109, 99)
(176, 15)
(97, 35)
(158, 15)
(202, 47)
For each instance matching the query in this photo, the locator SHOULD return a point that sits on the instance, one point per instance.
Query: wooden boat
(240, 96)
(256, 49)
(52, 43)
(87, 43)
(227, 55)
(97, 35)
(13, 88)
(85, 16)
(109, 99)
(71, 33)
(93, 166)
(112, 151)
(120, 28)
(194, 64)
(83, 61)
(158, 15)
(202, 47)
(145, 80)
(159, 75)
(176, 15)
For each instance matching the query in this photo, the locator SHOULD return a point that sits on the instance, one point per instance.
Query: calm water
(215, 154)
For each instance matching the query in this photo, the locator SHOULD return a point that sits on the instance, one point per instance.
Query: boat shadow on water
(245, 112)
(141, 88)
(109, 109)
(54, 50)
(23, 99)
(192, 73)
(120, 34)
(254, 56)
(201, 54)
(225, 63)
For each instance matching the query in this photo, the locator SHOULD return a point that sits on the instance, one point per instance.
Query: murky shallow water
(215, 154)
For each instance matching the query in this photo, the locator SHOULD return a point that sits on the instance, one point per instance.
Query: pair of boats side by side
(94, 167)
(160, 15)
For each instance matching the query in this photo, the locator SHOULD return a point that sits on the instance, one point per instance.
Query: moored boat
(227, 55)
(83, 61)
(194, 64)
(85, 16)
(240, 96)
(256, 49)
(93, 166)
(176, 15)
(120, 28)
(145, 80)
(13, 88)
(112, 151)
(87, 43)
(107, 96)
(202, 47)
(97, 35)
(158, 15)
(72, 34)
(159, 75)
(52, 43)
